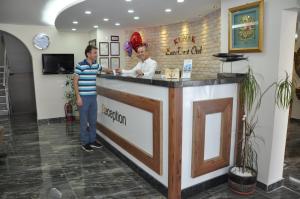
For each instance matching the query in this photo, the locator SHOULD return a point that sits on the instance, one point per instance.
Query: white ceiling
(22, 11)
(151, 12)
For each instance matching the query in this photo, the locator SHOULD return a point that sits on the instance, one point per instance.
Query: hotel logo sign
(186, 39)
(115, 116)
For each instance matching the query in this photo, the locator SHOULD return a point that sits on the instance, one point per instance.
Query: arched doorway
(20, 81)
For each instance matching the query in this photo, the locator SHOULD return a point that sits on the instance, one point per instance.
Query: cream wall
(49, 89)
(270, 66)
(207, 33)
(103, 35)
(296, 104)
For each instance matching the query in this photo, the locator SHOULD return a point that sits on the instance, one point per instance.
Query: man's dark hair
(89, 49)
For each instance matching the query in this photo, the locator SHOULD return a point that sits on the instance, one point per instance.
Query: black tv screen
(58, 63)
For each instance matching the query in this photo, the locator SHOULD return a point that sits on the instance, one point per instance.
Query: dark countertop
(221, 78)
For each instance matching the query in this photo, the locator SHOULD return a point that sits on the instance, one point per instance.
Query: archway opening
(17, 94)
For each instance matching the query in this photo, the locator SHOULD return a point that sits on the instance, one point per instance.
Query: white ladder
(4, 93)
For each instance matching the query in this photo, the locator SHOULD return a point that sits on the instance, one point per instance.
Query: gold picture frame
(250, 31)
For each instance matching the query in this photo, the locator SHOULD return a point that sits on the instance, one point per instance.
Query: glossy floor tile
(45, 161)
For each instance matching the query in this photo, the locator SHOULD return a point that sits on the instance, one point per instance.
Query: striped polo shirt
(87, 77)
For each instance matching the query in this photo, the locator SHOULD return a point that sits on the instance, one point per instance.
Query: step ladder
(4, 92)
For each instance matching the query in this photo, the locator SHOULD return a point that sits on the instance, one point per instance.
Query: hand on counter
(118, 70)
(139, 73)
(107, 70)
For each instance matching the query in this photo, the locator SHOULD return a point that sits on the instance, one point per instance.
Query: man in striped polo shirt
(86, 97)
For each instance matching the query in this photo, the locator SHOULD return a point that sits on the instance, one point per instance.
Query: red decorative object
(68, 112)
(136, 40)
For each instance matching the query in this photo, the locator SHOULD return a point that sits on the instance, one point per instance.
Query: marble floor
(45, 162)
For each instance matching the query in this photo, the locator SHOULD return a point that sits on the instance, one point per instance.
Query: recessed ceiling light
(96, 26)
(75, 22)
(180, 1)
(74, 29)
(130, 11)
(117, 24)
(105, 19)
(136, 18)
(87, 12)
(168, 10)
(128, 0)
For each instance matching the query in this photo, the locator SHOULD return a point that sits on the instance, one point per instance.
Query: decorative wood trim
(175, 143)
(239, 126)
(150, 105)
(200, 110)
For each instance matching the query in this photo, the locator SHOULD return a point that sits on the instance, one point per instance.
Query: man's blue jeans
(88, 119)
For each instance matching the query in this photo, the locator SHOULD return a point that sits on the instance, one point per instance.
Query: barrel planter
(243, 183)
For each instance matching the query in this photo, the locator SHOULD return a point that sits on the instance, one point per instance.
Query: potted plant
(70, 105)
(243, 176)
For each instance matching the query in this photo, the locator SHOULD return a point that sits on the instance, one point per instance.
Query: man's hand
(107, 70)
(118, 70)
(139, 72)
(79, 101)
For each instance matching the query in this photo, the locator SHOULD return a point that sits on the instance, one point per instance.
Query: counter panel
(140, 136)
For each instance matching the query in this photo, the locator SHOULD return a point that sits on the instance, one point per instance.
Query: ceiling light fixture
(136, 18)
(75, 22)
(87, 12)
(168, 10)
(96, 26)
(74, 29)
(117, 24)
(130, 11)
(54, 7)
(128, 0)
(180, 1)
(105, 19)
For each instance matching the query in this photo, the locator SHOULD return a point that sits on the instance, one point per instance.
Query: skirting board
(52, 120)
(156, 184)
(204, 186)
(270, 187)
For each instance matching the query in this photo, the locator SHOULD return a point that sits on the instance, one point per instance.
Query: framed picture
(115, 48)
(93, 42)
(246, 28)
(114, 38)
(115, 62)
(103, 48)
(104, 62)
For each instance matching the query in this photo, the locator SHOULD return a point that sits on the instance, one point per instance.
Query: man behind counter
(145, 67)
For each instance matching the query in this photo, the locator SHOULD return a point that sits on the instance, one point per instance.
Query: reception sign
(132, 122)
(121, 119)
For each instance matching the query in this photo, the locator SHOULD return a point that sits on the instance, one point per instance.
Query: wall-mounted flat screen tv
(58, 63)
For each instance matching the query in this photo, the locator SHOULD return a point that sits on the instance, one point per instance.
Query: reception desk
(181, 133)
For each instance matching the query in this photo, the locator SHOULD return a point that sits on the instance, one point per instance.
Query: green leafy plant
(251, 98)
(69, 92)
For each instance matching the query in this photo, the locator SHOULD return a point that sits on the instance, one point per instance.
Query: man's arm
(131, 71)
(75, 83)
(106, 70)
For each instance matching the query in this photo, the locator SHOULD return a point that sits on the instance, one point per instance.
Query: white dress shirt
(148, 67)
